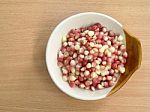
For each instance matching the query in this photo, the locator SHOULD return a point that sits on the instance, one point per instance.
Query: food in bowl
(92, 57)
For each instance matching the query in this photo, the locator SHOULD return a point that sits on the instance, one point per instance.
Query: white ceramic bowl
(54, 44)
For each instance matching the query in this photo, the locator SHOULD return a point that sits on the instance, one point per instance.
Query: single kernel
(91, 33)
(77, 47)
(89, 65)
(65, 78)
(86, 73)
(72, 78)
(72, 63)
(120, 38)
(86, 52)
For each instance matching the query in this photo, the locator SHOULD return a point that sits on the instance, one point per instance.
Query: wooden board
(25, 26)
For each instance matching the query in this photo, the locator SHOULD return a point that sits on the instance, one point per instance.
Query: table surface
(25, 26)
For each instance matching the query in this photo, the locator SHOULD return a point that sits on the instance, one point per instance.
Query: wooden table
(25, 26)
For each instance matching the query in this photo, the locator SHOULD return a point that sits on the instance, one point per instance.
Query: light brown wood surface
(25, 26)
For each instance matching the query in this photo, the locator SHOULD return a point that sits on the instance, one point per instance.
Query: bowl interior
(54, 44)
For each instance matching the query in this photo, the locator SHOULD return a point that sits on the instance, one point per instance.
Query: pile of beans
(92, 57)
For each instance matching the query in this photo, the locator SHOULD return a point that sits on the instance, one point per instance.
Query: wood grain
(25, 26)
